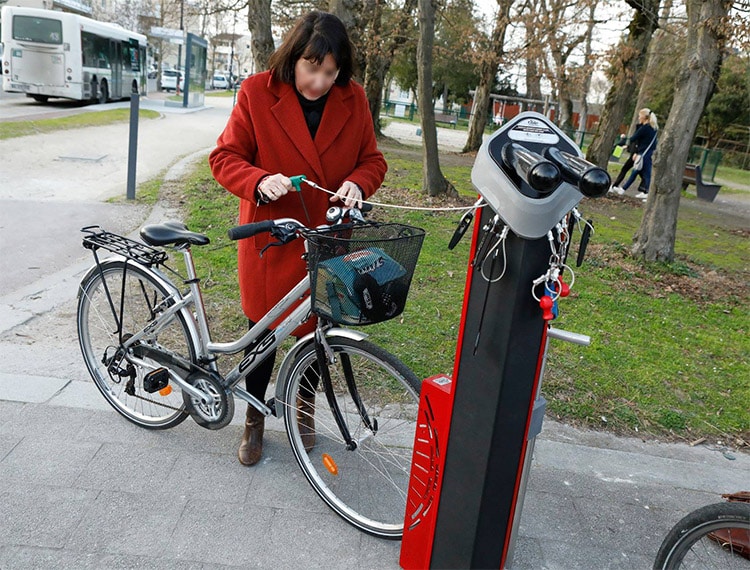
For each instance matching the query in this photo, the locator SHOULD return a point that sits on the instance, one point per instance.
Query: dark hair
(313, 37)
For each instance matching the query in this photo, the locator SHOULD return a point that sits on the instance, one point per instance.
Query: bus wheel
(40, 98)
(103, 92)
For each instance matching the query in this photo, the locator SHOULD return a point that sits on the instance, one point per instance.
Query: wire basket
(361, 275)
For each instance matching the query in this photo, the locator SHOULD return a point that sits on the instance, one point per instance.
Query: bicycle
(714, 536)
(148, 348)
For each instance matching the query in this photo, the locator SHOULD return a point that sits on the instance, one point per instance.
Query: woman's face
(643, 117)
(315, 80)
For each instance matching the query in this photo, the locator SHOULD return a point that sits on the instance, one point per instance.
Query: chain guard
(217, 410)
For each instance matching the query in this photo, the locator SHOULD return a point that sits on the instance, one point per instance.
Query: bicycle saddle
(171, 233)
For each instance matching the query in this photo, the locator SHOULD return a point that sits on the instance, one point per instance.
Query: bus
(46, 53)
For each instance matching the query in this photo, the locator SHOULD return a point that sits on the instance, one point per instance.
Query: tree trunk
(380, 55)
(259, 24)
(694, 86)
(624, 74)
(583, 118)
(432, 178)
(656, 53)
(353, 13)
(565, 120)
(488, 73)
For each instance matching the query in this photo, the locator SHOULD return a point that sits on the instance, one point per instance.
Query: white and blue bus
(56, 54)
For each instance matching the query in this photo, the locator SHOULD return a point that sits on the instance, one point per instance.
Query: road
(55, 183)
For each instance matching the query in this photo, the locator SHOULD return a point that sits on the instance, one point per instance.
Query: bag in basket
(363, 285)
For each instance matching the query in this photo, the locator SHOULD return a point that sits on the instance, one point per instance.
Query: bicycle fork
(326, 356)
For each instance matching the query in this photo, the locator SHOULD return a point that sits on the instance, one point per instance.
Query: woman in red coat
(303, 116)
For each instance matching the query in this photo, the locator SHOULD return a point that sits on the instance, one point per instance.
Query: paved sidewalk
(80, 487)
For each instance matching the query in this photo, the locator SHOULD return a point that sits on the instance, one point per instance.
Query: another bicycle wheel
(714, 536)
(367, 485)
(133, 297)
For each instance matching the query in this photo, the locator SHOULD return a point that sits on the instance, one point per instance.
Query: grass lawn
(669, 354)
(12, 129)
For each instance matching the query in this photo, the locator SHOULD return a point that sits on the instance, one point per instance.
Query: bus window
(40, 30)
(126, 56)
(95, 50)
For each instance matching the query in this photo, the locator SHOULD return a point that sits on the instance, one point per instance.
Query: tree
(626, 63)
(432, 177)
(259, 24)
(453, 69)
(660, 71)
(488, 68)
(731, 102)
(696, 80)
(380, 51)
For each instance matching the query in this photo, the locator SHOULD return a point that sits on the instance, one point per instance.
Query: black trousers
(625, 169)
(256, 383)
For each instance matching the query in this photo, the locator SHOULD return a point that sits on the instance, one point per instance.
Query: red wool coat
(266, 134)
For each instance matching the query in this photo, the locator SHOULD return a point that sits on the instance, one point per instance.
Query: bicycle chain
(158, 403)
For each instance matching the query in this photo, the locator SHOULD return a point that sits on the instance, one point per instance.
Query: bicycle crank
(215, 409)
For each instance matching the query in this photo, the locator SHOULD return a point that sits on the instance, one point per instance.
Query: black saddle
(171, 233)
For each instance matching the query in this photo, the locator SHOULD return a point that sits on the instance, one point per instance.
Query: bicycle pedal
(156, 380)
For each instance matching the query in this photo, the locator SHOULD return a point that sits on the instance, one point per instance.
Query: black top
(642, 138)
(313, 111)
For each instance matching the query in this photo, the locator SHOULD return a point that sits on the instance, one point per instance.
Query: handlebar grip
(538, 172)
(249, 230)
(591, 180)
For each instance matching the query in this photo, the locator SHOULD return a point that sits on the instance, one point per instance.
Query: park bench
(705, 190)
(445, 119)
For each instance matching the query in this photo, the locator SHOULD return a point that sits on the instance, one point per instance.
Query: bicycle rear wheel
(133, 297)
(366, 486)
(714, 536)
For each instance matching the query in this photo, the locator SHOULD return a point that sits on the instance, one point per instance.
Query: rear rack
(96, 238)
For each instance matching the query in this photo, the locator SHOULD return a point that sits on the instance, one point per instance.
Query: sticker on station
(533, 130)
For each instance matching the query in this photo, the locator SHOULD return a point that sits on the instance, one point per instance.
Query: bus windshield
(40, 30)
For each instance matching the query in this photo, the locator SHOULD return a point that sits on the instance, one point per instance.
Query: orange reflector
(166, 391)
(330, 464)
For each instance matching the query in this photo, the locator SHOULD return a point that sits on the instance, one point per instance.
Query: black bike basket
(361, 275)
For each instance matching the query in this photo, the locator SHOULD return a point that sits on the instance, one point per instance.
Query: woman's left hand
(350, 194)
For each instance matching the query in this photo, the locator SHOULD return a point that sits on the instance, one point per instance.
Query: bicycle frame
(207, 350)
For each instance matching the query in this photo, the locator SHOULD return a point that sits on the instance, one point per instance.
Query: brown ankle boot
(251, 446)
(306, 420)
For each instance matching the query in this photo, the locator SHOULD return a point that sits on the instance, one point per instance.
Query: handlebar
(249, 230)
(591, 180)
(538, 172)
(285, 229)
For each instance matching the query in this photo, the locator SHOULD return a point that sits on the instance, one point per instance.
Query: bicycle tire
(100, 345)
(688, 545)
(369, 487)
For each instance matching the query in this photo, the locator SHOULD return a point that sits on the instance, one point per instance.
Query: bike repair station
(476, 429)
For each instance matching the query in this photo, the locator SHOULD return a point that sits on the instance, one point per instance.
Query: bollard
(133, 145)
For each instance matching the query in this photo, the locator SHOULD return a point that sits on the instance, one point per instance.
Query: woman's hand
(273, 187)
(350, 194)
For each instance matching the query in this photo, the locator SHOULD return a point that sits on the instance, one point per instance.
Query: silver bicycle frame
(206, 348)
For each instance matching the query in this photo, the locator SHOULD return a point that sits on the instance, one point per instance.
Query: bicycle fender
(158, 275)
(290, 357)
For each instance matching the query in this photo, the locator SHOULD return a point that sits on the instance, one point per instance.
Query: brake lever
(284, 233)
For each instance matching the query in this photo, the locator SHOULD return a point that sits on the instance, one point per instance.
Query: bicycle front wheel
(714, 536)
(366, 485)
(113, 305)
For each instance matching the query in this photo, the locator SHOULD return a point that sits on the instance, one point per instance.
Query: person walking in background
(303, 116)
(641, 146)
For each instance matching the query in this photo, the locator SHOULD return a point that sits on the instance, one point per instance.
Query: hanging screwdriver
(297, 183)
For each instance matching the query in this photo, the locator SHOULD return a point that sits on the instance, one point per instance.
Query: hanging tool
(297, 183)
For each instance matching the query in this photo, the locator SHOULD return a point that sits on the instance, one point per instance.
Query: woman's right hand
(273, 187)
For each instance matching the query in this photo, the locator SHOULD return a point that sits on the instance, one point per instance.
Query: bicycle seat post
(193, 282)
